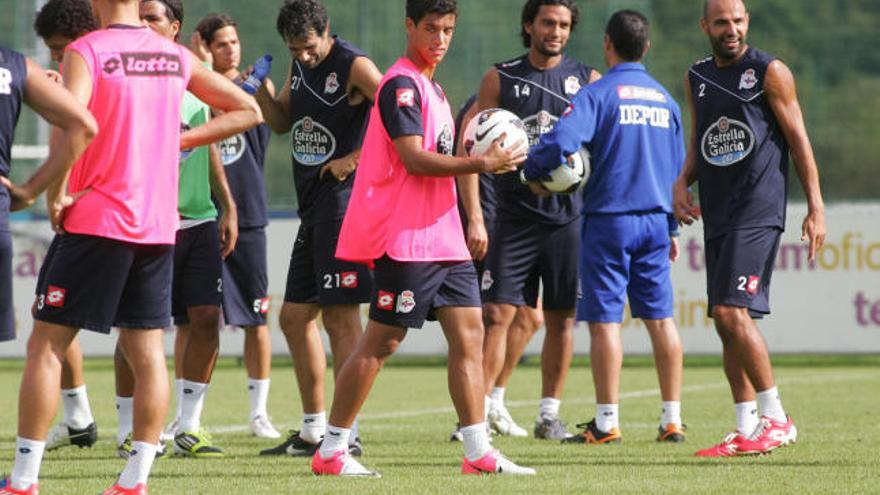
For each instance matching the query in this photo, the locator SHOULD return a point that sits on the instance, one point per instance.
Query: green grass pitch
(407, 419)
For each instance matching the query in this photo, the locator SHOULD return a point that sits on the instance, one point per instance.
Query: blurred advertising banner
(829, 306)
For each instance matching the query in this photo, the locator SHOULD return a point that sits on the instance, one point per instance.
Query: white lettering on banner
(832, 305)
(644, 115)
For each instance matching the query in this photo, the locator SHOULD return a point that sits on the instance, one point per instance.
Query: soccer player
(113, 263)
(201, 244)
(632, 128)
(746, 120)
(23, 82)
(325, 102)
(245, 271)
(58, 23)
(403, 219)
(535, 237)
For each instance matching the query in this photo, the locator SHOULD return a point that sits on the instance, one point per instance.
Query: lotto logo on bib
(313, 144)
(141, 64)
(231, 149)
(540, 123)
(727, 142)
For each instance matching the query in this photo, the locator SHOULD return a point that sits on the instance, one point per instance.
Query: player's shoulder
(514, 64)
(347, 49)
(702, 63)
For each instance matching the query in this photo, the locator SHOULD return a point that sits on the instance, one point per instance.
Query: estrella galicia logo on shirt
(231, 149)
(538, 124)
(313, 144)
(445, 141)
(726, 142)
(141, 64)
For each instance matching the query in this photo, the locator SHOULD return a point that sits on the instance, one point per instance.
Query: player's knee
(204, 319)
(730, 319)
(495, 314)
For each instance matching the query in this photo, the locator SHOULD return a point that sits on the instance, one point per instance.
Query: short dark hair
(212, 23)
(418, 9)
(628, 31)
(530, 12)
(173, 9)
(298, 18)
(68, 18)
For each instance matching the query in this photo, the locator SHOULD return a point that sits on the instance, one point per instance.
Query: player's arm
(781, 93)
(276, 108)
(364, 78)
(400, 108)
(576, 128)
(69, 114)
(240, 111)
(488, 96)
(469, 192)
(220, 188)
(683, 206)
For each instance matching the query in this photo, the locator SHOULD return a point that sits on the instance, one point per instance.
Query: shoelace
(759, 430)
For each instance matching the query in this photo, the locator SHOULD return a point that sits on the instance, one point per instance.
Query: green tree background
(831, 46)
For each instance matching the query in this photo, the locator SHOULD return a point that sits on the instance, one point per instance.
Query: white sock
(771, 406)
(140, 461)
(313, 427)
(671, 413)
(178, 397)
(192, 402)
(355, 432)
(77, 413)
(476, 441)
(549, 407)
(497, 397)
(487, 406)
(125, 413)
(28, 457)
(258, 391)
(607, 417)
(746, 417)
(335, 440)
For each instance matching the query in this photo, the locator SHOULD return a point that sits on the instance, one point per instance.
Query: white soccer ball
(489, 125)
(569, 176)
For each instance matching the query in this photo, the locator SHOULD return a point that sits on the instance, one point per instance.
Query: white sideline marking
(636, 394)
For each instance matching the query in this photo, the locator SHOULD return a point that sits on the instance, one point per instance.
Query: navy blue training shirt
(632, 128)
(325, 127)
(538, 97)
(742, 155)
(13, 74)
(243, 160)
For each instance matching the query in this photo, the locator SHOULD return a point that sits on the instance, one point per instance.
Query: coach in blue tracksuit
(632, 128)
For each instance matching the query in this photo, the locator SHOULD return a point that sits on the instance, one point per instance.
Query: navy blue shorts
(408, 292)
(524, 252)
(7, 310)
(245, 280)
(625, 256)
(97, 283)
(739, 265)
(316, 276)
(198, 279)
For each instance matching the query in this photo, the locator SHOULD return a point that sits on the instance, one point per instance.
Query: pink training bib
(407, 217)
